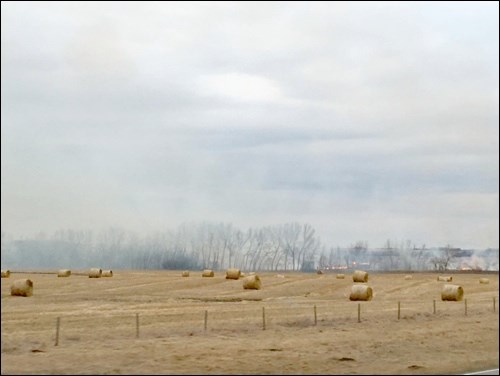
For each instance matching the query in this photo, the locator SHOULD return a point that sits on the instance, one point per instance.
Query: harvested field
(172, 339)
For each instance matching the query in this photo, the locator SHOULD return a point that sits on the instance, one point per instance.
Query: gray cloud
(368, 121)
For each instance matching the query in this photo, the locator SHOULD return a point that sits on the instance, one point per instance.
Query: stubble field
(98, 325)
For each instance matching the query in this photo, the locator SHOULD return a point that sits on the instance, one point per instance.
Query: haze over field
(368, 121)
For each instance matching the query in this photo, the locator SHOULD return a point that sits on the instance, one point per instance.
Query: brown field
(98, 325)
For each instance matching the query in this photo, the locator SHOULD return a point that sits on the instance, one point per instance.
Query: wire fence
(237, 318)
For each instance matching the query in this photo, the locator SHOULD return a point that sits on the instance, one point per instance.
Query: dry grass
(173, 341)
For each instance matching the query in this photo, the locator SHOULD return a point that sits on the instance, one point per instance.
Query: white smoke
(478, 261)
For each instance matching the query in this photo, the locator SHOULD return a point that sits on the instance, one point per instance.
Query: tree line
(290, 246)
(285, 247)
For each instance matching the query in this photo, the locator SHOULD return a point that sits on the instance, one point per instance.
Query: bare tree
(442, 262)
(359, 251)
(291, 233)
(308, 248)
(277, 246)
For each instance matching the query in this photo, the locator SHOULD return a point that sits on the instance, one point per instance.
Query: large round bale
(233, 273)
(107, 273)
(407, 277)
(207, 273)
(452, 292)
(185, 273)
(5, 273)
(95, 273)
(340, 276)
(444, 278)
(484, 281)
(242, 275)
(64, 273)
(361, 292)
(360, 276)
(252, 282)
(22, 287)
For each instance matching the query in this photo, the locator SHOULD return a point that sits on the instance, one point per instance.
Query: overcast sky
(369, 121)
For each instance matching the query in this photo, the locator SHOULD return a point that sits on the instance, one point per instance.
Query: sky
(368, 121)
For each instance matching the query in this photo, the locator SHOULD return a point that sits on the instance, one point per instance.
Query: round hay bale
(452, 292)
(408, 277)
(444, 278)
(233, 273)
(252, 282)
(22, 287)
(340, 276)
(242, 275)
(360, 276)
(185, 273)
(361, 292)
(107, 273)
(319, 271)
(280, 276)
(95, 273)
(5, 273)
(484, 281)
(64, 273)
(208, 273)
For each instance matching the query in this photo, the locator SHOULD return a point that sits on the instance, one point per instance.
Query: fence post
(263, 319)
(315, 316)
(434, 306)
(58, 323)
(359, 312)
(136, 325)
